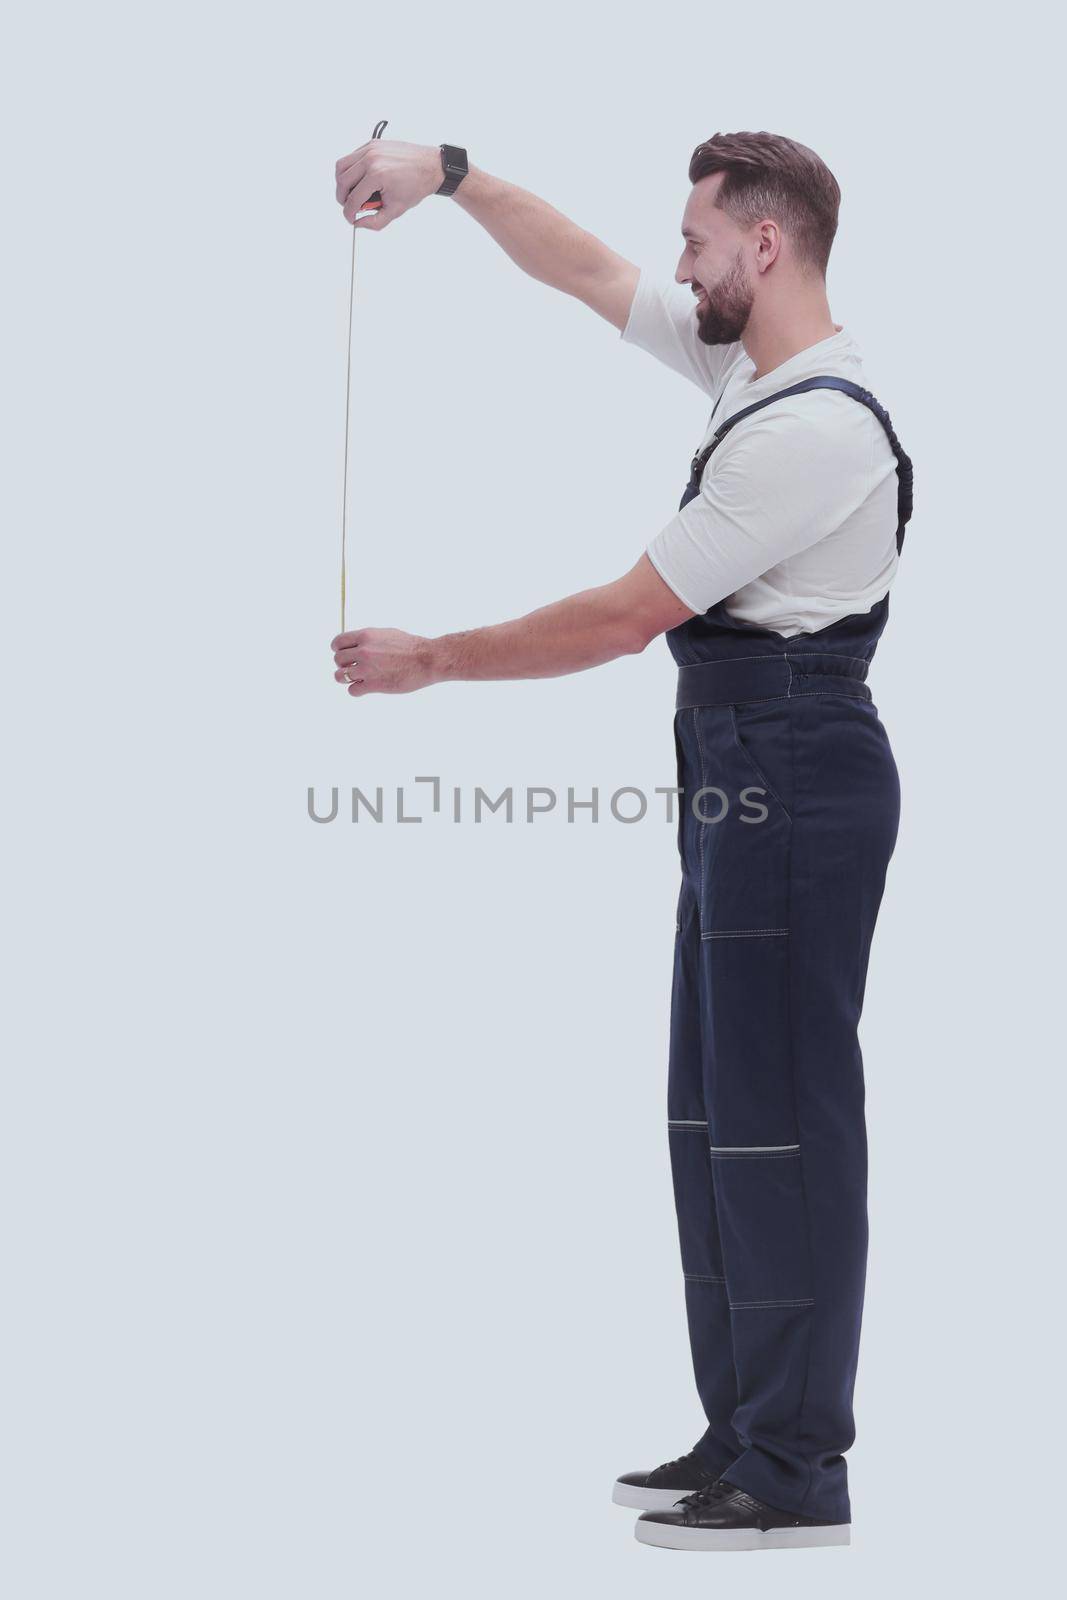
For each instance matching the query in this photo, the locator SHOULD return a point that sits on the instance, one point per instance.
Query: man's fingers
(347, 641)
(359, 193)
(348, 667)
(377, 220)
(347, 180)
(354, 156)
(345, 658)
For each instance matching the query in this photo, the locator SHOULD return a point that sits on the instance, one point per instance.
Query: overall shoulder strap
(855, 392)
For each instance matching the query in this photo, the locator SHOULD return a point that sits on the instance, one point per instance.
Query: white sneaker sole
(669, 1538)
(638, 1499)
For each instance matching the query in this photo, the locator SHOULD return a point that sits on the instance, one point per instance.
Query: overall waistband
(729, 682)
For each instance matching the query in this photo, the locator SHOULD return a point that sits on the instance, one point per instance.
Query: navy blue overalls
(765, 1094)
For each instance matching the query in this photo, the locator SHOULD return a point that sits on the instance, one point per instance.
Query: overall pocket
(744, 830)
(763, 741)
(759, 1197)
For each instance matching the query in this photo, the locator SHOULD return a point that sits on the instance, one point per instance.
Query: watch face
(454, 165)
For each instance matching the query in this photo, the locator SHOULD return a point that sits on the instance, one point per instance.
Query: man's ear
(768, 244)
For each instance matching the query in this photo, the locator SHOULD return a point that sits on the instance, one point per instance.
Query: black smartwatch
(454, 162)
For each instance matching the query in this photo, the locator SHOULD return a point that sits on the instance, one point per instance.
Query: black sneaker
(663, 1486)
(725, 1518)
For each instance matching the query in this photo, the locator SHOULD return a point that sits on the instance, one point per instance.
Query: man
(771, 583)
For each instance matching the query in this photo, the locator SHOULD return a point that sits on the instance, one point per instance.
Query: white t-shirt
(795, 524)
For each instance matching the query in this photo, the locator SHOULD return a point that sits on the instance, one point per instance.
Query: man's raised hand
(405, 174)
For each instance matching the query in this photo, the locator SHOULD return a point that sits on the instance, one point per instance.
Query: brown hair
(770, 176)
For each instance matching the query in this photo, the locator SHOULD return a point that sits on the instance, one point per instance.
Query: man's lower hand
(384, 661)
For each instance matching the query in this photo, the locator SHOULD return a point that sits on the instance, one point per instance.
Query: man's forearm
(585, 630)
(568, 636)
(548, 245)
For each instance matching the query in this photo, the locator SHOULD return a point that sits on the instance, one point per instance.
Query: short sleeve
(774, 488)
(663, 321)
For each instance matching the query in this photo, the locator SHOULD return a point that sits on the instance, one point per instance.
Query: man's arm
(585, 630)
(537, 237)
(549, 246)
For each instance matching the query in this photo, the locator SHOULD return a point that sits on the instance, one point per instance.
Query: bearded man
(771, 585)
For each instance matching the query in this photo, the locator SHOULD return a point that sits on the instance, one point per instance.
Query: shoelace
(704, 1497)
(679, 1461)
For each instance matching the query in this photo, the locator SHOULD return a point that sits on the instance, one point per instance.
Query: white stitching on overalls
(759, 1305)
(753, 1149)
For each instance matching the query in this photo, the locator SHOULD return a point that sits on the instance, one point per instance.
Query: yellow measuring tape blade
(348, 411)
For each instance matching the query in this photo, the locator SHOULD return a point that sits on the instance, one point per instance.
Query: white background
(339, 1243)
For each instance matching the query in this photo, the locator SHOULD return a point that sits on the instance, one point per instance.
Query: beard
(729, 305)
